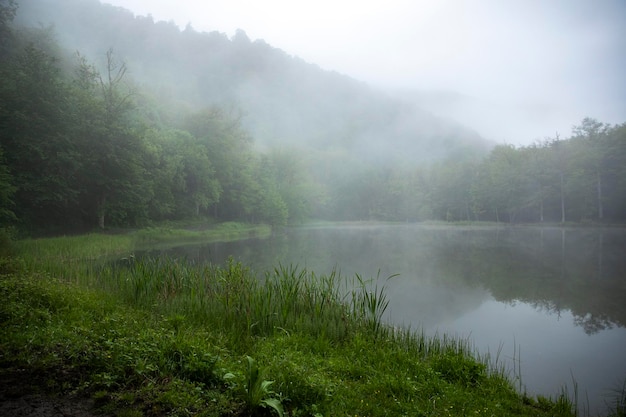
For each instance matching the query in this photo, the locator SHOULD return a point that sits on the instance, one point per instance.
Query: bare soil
(22, 396)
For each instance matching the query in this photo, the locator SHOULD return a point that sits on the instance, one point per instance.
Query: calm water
(553, 298)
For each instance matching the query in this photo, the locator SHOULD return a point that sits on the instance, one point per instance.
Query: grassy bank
(164, 337)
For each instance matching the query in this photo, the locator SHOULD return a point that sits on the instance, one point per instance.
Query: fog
(515, 71)
(365, 145)
(368, 129)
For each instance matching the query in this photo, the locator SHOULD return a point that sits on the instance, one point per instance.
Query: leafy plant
(258, 391)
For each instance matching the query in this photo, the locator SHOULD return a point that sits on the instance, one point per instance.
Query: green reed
(234, 299)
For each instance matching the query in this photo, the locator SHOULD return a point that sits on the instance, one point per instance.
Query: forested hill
(283, 99)
(110, 119)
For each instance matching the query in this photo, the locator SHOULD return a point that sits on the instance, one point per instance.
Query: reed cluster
(236, 301)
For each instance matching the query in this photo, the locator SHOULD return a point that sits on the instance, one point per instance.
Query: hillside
(284, 100)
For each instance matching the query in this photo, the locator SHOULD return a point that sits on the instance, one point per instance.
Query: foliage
(84, 146)
(7, 191)
(6, 243)
(258, 391)
(369, 305)
(8, 9)
(80, 149)
(578, 179)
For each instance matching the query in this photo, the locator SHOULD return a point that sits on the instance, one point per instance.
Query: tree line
(84, 146)
(578, 179)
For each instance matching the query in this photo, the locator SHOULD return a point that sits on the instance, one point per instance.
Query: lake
(549, 302)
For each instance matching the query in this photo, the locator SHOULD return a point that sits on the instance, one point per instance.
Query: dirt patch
(20, 396)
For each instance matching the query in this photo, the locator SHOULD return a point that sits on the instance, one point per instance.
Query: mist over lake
(422, 157)
(549, 297)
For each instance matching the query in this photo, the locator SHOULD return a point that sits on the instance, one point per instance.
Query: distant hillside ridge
(284, 101)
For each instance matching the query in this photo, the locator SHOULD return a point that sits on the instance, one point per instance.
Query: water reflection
(552, 269)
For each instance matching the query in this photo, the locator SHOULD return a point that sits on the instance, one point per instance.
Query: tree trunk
(101, 211)
(599, 188)
(562, 201)
(600, 257)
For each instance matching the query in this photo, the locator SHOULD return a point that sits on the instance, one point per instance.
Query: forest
(126, 135)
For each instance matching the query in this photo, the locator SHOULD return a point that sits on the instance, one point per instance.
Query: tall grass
(223, 231)
(45, 251)
(72, 257)
(232, 298)
(287, 300)
(618, 405)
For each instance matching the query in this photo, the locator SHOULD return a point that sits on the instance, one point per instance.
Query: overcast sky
(534, 67)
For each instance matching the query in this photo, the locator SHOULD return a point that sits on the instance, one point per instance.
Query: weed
(618, 408)
(258, 390)
(370, 304)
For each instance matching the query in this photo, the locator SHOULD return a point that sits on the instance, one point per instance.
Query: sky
(516, 70)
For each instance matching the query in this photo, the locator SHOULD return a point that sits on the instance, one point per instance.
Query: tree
(292, 183)
(8, 9)
(200, 187)
(34, 129)
(538, 176)
(615, 173)
(594, 133)
(270, 207)
(229, 151)
(115, 182)
(7, 191)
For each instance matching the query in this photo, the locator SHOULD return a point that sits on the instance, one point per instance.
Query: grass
(66, 252)
(222, 231)
(167, 337)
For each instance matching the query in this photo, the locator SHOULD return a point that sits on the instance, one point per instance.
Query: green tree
(34, 129)
(165, 165)
(270, 207)
(115, 183)
(592, 135)
(8, 9)
(503, 186)
(229, 149)
(541, 176)
(615, 173)
(200, 188)
(7, 191)
(292, 183)
(451, 190)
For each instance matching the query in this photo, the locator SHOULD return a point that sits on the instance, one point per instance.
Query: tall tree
(201, 189)
(270, 207)
(8, 9)
(229, 149)
(115, 181)
(7, 190)
(34, 129)
(293, 184)
(594, 133)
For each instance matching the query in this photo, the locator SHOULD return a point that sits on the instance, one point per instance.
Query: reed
(231, 298)
(618, 407)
